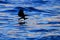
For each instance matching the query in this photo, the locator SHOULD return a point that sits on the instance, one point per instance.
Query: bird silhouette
(21, 14)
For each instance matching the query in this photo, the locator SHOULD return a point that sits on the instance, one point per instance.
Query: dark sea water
(43, 21)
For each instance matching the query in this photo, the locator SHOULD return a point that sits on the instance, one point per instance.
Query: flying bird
(23, 17)
(21, 14)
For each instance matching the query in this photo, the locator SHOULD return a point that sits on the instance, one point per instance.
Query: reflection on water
(43, 20)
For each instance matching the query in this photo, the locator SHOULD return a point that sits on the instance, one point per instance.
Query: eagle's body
(21, 14)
